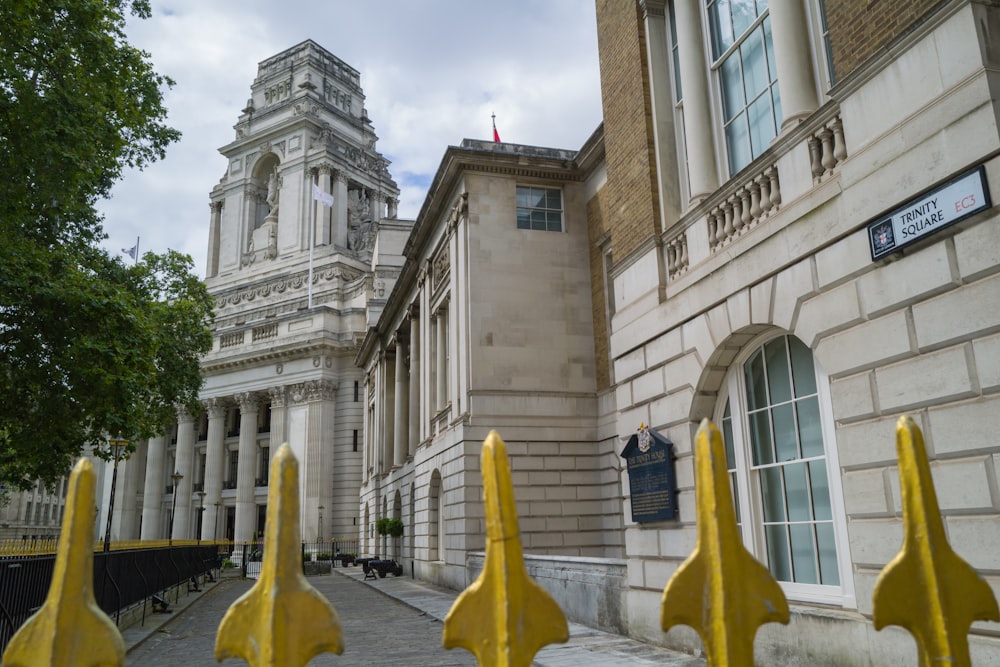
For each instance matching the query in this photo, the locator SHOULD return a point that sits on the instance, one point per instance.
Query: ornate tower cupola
(304, 126)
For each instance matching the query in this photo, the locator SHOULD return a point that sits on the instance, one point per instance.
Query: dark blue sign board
(651, 475)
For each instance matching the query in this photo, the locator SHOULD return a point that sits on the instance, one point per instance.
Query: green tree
(88, 346)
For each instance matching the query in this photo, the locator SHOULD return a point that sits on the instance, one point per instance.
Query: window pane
(771, 494)
(803, 554)
(810, 431)
(786, 443)
(769, 48)
(538, 220)
(761, 120)
(721, 26)
(733, 99)
(820, 491)
(803, 371)
(523, 219)
(554, 221)
(827, 554)
(778, 380)
(744, 13)
(738, 144)
(537, 198)
(553, 199)
(754, 373)
(754, 66)
(522, 197)
(777, 552)
(727, 438)
(797, 493)
(760, 438)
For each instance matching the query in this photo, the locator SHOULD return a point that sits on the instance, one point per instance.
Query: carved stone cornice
(655, 8)
(284, 284)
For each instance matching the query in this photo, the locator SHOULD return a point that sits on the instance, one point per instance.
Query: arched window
(777, 427)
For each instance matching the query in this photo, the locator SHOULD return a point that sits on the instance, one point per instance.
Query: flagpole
(135, 260)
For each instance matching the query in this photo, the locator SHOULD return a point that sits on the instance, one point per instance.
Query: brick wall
(631, 194)
(596, 228)
(859, 29)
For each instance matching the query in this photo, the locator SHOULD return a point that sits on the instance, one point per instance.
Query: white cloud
(432, 72)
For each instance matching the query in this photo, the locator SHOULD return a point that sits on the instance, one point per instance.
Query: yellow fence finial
(281, 621)
(927, 588)
(720, 590)
(504, 617)
(70, 629)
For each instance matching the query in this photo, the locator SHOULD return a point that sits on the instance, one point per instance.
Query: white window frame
(546, 188)
(715, 70)
(749, 502)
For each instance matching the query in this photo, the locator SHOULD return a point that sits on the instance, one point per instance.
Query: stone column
(279, 420)
(378, 206)
(135, 466)
(323, 212)
(184, 465)
(152, 495)
(393, 208)
(703, 173)
(793, 60)
(214, 464)
(442, 356)
(339, 211)
(401, 419)
(386, 396)
(414, 383)
(246, 509)
(662, 102)
(312, 424)
(214, 233)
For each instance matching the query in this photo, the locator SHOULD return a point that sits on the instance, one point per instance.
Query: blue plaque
(651, 475)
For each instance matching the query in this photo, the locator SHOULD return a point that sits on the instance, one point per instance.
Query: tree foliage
(88, 345)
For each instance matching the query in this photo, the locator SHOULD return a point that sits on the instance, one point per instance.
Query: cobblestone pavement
(391, 621)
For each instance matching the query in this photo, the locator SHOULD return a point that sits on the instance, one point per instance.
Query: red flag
(496, 135)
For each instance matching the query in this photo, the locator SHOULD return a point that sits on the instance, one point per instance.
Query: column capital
(183, 414)
(277, 396)
(653, 8)
(248, 401)
(216, 407)
(313, 390)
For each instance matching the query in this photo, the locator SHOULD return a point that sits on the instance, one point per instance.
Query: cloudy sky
(432, 72)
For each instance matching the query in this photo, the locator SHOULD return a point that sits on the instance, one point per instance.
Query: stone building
(790, 231)
(799, 224)
(490, 327)
(294, 284)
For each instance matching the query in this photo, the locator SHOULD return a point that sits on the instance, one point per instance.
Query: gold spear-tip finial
(927, 588)
(504, 617)
(282, 621)
(70, 629)
(720, 590)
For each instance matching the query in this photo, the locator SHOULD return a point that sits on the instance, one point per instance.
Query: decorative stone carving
(361, 230)
(313, 390)
(277, 396)
(216, 407)
(248, 401)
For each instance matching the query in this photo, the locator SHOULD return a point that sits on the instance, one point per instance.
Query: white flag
(321, 196)
(131, 252)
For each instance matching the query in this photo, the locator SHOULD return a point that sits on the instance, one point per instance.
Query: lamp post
(201, 514)
(319, 527)
(117, 446)
(176, 477)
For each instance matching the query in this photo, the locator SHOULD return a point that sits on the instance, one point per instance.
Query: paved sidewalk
(391, 621)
